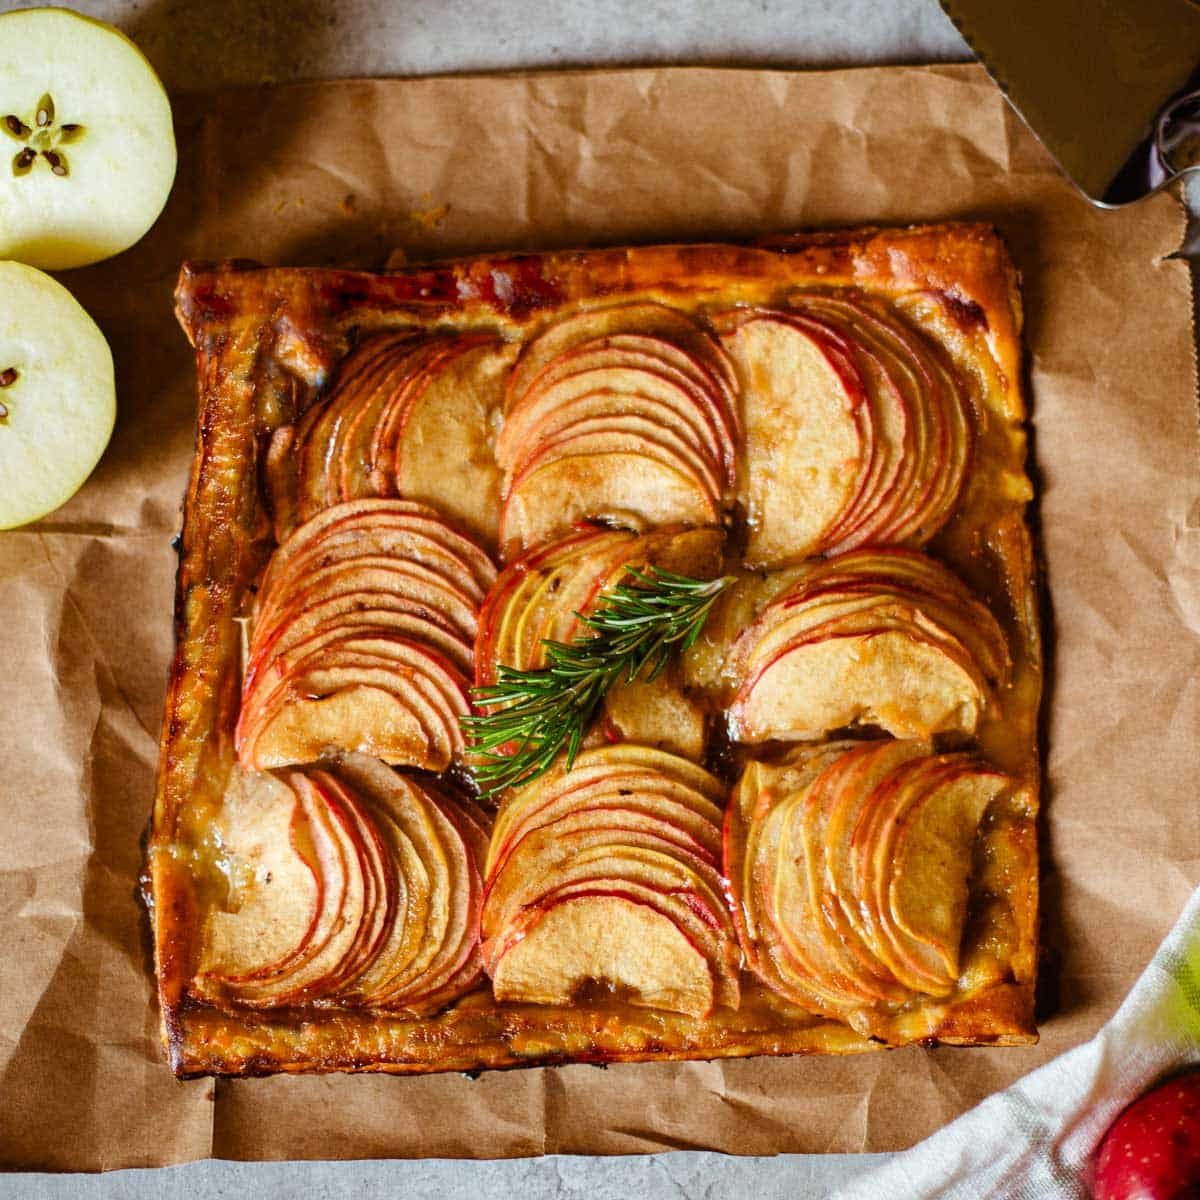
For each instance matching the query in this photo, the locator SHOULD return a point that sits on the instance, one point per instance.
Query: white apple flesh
(57, 396)
(87, 147)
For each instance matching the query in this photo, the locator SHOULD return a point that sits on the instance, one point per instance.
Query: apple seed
(46, 139)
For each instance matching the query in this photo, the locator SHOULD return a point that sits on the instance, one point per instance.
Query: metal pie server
(1110, 87)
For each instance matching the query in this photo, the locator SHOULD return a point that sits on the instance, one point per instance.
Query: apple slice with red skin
(1152, 1150)
(604, 935)
(810, 829)
(403, 811)
(391, 613)
(616, 438)
(870, 844)
(860, 772)
(539, 596)
(884, 673)
(607, 763)
(627, 786)
(804, 435)
(280, 893)
(443, 455)
(344, 464)
(929, 863)
(318, 971)
(404, 537)
(368, 368)
(577, 432)
(641, 319)
(759, 788)
(412, 581)
(658, 877)
(619, 486)
(350, 686)
(624, 380)
(716, 943)
(394, 517)
(539, 857)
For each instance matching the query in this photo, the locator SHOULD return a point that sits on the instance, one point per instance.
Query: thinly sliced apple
(657, 323)
(704, 792)
(57, 397)
(627, 488)
(88, 141)
(366, 378)
(617, 382)
(446, 604)
(929, 864)
(390, 520)
(804, 440)
(443, 452)
(388, 610)
(609, 940)
(274, 881)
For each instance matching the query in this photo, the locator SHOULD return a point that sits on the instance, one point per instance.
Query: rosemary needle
(536, 715)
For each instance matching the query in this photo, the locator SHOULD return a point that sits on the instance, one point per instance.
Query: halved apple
(86, 131)
(886, 638)
(57, 397)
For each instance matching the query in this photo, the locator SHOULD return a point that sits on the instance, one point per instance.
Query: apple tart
(602, 656)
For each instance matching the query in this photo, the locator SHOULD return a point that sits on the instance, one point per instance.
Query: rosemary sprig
(633, 632)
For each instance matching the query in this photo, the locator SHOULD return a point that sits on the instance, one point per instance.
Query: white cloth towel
(1035, 1141)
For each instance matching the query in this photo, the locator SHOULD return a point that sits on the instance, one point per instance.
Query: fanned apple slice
(850, 875)
(443, 454)
(699, 788)
(87, 139)
(57, 397)
(274, 878)
(627, 488)
(888, 638)
(664, 330)
(624, 821)
(603, 936)
(804, 436)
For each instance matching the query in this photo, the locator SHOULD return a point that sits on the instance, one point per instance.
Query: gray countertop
(278, 40)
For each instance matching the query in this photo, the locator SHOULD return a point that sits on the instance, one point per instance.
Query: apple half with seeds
(608, 877)
(87, 148)
(57, 397)
(886, 638)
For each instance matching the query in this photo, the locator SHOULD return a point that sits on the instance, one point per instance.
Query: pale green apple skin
(120, 168)
(59, 410)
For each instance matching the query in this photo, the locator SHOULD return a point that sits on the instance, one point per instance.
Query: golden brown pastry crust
(262, 337)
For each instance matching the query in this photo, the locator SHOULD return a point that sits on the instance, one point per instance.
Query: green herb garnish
(634, 631)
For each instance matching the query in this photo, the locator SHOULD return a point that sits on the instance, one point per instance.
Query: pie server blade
(1110, 87)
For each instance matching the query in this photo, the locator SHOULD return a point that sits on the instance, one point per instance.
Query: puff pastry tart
(421, 500)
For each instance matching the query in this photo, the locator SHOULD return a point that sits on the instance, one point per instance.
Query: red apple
(1152, 1150)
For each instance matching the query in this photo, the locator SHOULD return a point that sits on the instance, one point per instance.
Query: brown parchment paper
(342, 173)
